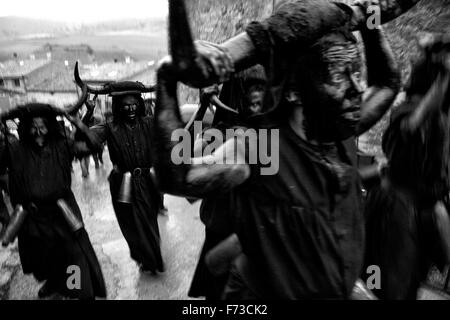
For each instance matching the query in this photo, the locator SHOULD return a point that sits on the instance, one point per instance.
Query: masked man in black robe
(408, 226)
(301, 226)
(39, 166)
(129, 140)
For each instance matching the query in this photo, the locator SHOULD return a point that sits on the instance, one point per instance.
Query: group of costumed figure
(303, 232)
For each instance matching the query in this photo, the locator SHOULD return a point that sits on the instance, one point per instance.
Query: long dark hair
(44, 111)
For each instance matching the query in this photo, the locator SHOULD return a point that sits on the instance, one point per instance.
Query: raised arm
(90, 106)
(383, 78)
(199, 176)
(86, 141)
(431, 104)
(296, 23)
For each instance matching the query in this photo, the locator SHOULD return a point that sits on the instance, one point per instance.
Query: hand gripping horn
(319, 17)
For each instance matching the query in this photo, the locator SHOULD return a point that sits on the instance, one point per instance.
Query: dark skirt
(218, 215)
(47, 248)
(396, 242)
(138, 221)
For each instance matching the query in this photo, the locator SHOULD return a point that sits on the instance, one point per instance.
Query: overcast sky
(84, 10)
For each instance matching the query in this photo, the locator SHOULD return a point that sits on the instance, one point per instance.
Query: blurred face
(255, 100)
(129, 108)
(435, 60)
(436, 48)
(39, 131)
(338, 93)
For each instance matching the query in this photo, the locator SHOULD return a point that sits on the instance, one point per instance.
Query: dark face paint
(331, 93)
(255, 100)
(129, 108)
(343, 87)
(39, 131)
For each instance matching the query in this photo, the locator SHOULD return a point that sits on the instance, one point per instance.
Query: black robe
(402, 237)
(47, 246)
(217, 214)
(131, 148)
(301, 229)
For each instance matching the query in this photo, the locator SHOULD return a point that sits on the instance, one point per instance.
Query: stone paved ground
(9, 265)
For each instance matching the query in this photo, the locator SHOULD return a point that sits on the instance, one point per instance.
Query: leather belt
(141, 171)
(136, 172)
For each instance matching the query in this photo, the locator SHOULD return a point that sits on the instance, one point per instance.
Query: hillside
(28, 28)
(14, 27)
(148, 26)
(145, 39)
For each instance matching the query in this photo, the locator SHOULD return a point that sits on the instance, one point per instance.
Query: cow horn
(75, 107)
(102, 89)
(182, 47)
(106, 88)
(149, 88)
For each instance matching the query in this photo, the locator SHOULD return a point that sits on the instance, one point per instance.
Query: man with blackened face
(39, 167)
(254, 99)
(327, 84)
(39, 131)
(301, 228)
(129, 140)
(129, 107)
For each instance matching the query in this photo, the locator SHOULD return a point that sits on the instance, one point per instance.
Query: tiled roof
(113, 71)
(82, 53)
(55, 76)
(146, 76)
(18, 68)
